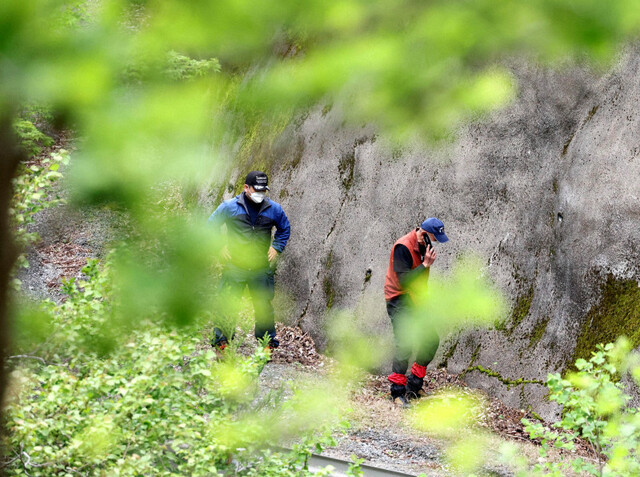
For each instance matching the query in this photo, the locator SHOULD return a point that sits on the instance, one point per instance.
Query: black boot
(399, 395)
(219, 340)
(414, 387)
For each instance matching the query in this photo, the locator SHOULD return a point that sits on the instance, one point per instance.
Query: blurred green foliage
(413, 68)
(596, 408)
(159, 402)
(153, 89)
(465, 297)
(454, 415)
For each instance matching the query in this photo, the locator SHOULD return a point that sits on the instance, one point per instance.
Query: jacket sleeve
(218, 217)
(402, 263)
(215, 222)
(283, 231)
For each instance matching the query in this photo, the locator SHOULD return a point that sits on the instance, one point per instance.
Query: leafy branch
(33, 188)
(595, 408)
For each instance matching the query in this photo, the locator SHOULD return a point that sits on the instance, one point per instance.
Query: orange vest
(392, 286)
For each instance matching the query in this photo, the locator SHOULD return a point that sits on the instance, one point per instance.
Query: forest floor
(382, 433)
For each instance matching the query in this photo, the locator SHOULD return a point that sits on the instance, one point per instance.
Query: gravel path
(381, 433)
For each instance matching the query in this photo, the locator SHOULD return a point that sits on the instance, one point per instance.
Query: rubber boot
(219, 340)
(399, 395)
(414, 387)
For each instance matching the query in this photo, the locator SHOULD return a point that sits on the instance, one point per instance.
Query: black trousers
(261, 289)
(425, 346)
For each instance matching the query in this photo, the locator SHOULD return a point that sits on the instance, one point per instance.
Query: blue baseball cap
(436, 227)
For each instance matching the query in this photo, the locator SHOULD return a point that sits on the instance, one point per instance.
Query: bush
(32, 192)
(595, 408)
(32, 140)
(182, 67)
(161, 403)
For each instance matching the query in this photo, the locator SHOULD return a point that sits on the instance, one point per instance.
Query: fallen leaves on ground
(296, 346)
(67, 259)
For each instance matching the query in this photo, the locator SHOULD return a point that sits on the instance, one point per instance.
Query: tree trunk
(10, 157)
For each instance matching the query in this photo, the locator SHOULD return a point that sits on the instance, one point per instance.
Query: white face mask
(257, 197)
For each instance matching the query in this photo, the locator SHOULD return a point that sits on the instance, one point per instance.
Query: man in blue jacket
(250, 254)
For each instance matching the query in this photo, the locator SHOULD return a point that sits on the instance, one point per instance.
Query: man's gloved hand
(273, 254)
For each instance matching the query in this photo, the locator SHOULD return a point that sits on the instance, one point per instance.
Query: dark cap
(436, 227)
(258, 180)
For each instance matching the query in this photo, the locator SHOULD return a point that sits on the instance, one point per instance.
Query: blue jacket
(249, 241)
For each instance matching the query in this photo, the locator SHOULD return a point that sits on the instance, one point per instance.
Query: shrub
(32, 192)
(182, 67)
(595, 408)
(160, 403)
(32, 140)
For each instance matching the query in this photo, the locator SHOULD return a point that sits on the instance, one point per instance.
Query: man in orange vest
(411, 258)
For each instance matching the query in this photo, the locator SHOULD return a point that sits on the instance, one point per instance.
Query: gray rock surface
(546, 192)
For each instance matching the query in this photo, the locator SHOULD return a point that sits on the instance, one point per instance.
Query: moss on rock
(257, 149)
(329, 292)
(448, 355)
(327, 284)
(519, 313)
(506, 381)
(474, 355)
(538, 331)
(617, 314)
(521, 308)
(346, 167)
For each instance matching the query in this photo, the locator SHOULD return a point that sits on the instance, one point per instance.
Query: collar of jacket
(265, 203)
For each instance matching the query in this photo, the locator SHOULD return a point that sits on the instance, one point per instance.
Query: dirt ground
(382, 433)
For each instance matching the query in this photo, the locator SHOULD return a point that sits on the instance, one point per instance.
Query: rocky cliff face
(545, 191)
